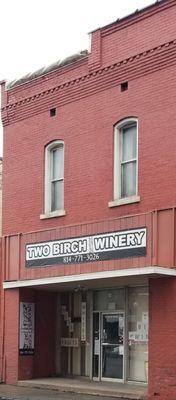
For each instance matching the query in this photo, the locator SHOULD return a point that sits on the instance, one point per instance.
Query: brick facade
(140, 49)
(161, 339)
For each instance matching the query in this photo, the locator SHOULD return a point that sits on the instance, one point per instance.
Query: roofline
(129, 16)
(120, 24)
(28, 78)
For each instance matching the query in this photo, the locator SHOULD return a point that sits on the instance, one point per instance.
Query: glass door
(96, 346)
(112, 346)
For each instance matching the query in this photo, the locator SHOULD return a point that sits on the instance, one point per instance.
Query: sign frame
(90, 248)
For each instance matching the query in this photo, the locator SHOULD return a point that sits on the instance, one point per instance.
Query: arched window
(54, 179)
(125, 162)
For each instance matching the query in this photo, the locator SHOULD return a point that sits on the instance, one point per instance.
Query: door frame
(101, 345)
(101, 313)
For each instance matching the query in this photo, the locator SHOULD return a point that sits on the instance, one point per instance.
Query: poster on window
(26, 329)
(83, 321)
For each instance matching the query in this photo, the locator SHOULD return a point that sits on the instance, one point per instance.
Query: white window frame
(48, 181)
(117, 199)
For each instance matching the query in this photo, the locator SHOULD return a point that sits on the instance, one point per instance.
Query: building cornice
(103, 78)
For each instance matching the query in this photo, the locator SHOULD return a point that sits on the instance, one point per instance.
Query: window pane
(129, 143)
(57, 195)
(128, 181)
(103, 299)
(138, 334)
(58, 164)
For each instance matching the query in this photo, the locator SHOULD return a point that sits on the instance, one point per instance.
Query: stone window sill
(53, 214)
(125, 200)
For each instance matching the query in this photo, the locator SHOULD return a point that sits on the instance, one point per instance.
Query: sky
(35, 33)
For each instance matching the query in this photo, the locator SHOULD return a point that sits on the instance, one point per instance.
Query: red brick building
(89, 213)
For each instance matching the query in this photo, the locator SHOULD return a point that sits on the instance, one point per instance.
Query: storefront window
(138, 334)
(109, 300)
(120, 334)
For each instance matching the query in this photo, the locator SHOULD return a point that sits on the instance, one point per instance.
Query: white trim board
(147, 271)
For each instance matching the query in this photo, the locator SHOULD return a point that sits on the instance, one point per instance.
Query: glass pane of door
(112, 346)
(96, 345)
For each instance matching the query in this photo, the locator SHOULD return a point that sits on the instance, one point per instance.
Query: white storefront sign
(104, 246)
(69, 342)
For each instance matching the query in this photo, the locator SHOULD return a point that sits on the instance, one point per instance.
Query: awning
(96, 277)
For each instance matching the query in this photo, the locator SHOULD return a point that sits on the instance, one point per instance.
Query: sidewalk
(9, 392)
(86, 387)
(39, 392)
